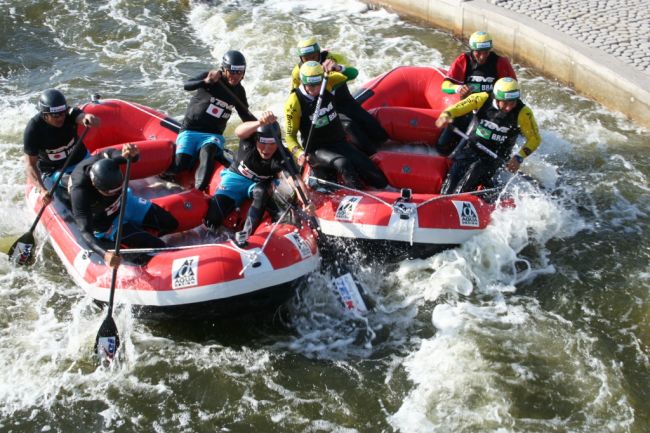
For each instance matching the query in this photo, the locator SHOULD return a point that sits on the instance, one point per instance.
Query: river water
(541, 324)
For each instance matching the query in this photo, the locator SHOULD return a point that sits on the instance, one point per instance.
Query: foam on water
(456, 342)
(476, 375)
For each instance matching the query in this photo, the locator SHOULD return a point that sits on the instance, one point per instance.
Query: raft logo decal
(300, 244)
(347, 207)
(185, 272)
(467, 214)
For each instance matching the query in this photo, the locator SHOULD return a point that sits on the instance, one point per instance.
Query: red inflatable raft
(406, 101)
(205, 277)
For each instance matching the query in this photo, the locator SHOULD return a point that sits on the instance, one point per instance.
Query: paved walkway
(620, 28)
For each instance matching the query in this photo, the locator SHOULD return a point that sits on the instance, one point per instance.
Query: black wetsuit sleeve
(244, 113)
(195, 83)
(83, 217)
(116, 155)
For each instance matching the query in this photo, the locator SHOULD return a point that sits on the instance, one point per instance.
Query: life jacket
(481, 78)
(497, 130)
(328, 128)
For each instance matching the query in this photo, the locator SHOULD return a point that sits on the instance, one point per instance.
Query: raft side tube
(424, 174)
(155, 157)
(188, 207)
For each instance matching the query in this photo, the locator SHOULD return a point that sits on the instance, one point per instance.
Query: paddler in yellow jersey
(363, 129)
(326, 148)
(501, 118)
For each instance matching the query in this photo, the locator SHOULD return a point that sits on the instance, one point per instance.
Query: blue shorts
(191, 142)
(235, 186)
(134, 212)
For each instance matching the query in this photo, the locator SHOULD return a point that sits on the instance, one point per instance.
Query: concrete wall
(590, 72)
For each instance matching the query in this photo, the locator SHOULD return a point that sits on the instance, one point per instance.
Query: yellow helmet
(311, 72)
(506, 89)
(308, 46)
(480, 41)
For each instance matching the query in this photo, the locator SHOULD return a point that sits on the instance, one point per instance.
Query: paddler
(95, 191)
(49, 139)
(500, 117)
(471, 72)
(251, 175)
(367, 133)
(201, 137)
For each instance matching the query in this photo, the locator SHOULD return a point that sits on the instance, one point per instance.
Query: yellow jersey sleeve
(530, 131)
(292, 114)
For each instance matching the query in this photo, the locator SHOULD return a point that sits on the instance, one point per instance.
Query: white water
(454, 344)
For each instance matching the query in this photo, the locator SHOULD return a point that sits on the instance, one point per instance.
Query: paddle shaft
(314, 119)
(118, 236)
(58, 178)
(478, 145)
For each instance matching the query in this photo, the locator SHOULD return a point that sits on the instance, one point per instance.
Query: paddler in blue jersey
(95, 190)
(501, 117)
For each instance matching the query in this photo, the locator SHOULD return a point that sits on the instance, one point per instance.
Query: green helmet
(311, 72)
(480, 41)
(308, 46)
(506, 89)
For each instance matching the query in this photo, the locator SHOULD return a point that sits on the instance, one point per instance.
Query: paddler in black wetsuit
(366, 132)
(201, 135)
(95, 191)
(328, 149)
(49, 138)
(251, 175)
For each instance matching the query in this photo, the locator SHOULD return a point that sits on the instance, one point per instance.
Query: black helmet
(267, 133)
(52, 101)
(233, 61)
(106, 176)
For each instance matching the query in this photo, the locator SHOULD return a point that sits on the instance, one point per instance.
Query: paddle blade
(349, 293)
(107, 341)
(22, 251)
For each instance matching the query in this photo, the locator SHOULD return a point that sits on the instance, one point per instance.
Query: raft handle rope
(259, 251)
(182, 247)
(397, 206)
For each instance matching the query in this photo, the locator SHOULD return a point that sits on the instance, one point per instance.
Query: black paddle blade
(22, 251)
(107, 341)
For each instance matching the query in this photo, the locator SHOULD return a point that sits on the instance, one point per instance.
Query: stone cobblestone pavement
(618, 27)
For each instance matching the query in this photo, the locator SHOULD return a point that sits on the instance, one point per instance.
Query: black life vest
(497, 130)
(481, 78)
(328, 128)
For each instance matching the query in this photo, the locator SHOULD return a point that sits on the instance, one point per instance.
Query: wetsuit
(496, 130)
(366, 131)
(52, 145)
(96, 214)
(328, 150)
(202, 128)
(249, 176)
(480, 78)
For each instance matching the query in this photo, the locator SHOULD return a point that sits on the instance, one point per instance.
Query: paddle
(347, 288)
(492, 154)
(108, 339)
(22, 250)
(314, 118)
